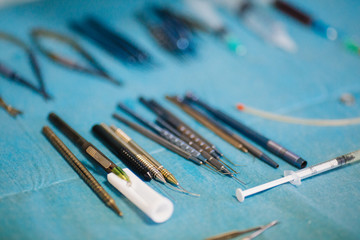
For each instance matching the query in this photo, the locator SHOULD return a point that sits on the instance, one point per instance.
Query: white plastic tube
(157, 207)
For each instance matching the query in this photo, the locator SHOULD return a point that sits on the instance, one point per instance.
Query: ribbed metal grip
(150, 167)
(162, 141)
(122, 152)
(194, 137)
(78, 167)
(180, 143)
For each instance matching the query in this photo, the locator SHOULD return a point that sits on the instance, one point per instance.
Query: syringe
(296, 177)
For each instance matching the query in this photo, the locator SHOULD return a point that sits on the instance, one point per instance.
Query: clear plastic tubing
(296, 177)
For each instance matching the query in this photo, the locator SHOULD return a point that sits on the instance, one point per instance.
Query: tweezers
(13, 76)
(94, 67)
(233, 234)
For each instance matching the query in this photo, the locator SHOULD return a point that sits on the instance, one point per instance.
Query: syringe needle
(238, 180)
(187, 192)
(227, 159)
(181, 189)
(158, 184)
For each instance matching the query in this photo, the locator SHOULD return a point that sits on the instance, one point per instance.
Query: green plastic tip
(352, 46)
(120, 173)
(234, 45)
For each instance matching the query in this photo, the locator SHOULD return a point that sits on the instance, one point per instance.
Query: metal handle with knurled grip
(180, 143)
(190, 134)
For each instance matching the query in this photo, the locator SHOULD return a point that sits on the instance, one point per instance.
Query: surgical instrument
(162, 132)
(13, 76)
(188, 135)
(166, 173)
(94, 67)
(222, 132)
(87, 148)
(80, 169)
(136, 163)
(263, 141)
(9, 109)
(233, 234)
(156, 138)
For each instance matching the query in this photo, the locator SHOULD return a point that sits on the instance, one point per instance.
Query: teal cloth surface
(41, 197)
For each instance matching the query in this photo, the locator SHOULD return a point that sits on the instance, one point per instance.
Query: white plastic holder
(154, 205)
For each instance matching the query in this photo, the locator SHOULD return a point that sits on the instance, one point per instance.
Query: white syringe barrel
(327, 166)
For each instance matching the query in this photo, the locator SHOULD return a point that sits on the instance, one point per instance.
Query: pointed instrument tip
(46, 96)
(115, 81)
(171, 179)
(238, 180)
(111, 204)
(116, 210)
(120, 213)
(160, 178)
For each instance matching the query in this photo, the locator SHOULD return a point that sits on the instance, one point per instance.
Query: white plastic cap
(154, 205)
